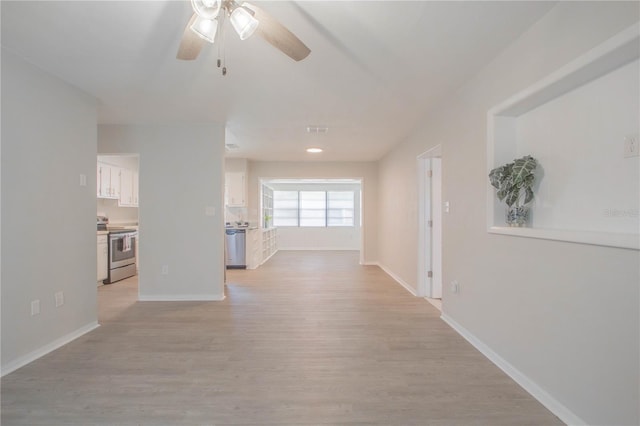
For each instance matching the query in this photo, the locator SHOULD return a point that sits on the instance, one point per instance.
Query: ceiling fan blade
(191, 44)
(278, 35)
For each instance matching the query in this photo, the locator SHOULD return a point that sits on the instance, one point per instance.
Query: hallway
(308, 338)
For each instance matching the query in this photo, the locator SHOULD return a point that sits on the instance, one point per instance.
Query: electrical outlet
(59, 296)
(631, 146)
(454, 287)
(165, 269)
(35, 307)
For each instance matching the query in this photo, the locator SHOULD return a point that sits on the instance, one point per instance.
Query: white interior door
(430, 224)
(436, 229)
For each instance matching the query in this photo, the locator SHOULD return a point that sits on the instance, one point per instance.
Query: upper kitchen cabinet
(128, 188)
(108, 181)
(235, 189)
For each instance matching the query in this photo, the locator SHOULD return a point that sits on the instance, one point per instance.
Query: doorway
(430, 224)
(323, 214)
(117, 204)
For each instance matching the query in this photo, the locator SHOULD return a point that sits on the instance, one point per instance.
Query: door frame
(424, 233)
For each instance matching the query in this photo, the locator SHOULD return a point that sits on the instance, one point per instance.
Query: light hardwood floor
(309, 338)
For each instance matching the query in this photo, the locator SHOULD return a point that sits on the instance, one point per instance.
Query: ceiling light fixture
(207, 9)
(314, 150)
(243, 22)
(205, 28)
(208, 18)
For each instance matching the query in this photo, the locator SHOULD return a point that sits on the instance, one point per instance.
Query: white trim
(607, 239)
(397, 279)
(425, 235)
(182, 298)
(424, 240)
(48, 348)
(552, 404)
(437, 303)
(317, 249)
(369, 263)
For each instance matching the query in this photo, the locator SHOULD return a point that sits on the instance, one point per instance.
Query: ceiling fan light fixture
(207, 9)
(243, 22)
(206, 29)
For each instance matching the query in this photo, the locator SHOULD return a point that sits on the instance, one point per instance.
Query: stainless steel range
(122, 252)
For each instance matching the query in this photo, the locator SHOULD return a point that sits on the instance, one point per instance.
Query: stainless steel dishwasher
(236, 247)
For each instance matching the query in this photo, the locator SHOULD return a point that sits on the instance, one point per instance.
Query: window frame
(326, 209)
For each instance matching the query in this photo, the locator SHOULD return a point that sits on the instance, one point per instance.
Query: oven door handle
(121, 235)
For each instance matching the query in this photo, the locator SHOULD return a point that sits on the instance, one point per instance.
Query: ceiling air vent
(317, 129)
(231, 147)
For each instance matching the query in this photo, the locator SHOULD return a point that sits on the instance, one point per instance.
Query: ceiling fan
(207, 25)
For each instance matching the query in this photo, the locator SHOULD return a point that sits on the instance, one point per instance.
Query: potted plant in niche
(514, 182)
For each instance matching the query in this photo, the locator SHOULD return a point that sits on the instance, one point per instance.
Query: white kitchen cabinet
(135, 189)
(253, 253)
(128, 188)
(269, 243)
(235, 189)
(109, 181)
(103, 258)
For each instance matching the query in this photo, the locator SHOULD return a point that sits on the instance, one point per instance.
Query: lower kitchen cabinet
(103, 258)
(253, 249)
(269, 243)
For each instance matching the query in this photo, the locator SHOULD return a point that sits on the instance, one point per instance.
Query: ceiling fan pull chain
(224, 53)
(222, 45)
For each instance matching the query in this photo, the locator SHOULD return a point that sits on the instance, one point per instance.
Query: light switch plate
(35, 307)
(83, 180)
(631, 146)
(59, 297)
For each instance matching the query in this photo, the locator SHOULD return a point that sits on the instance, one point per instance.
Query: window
(313, 208)
(340, 208)
(285, 208)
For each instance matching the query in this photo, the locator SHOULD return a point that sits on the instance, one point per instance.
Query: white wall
(367, 171)
(576, 195)
(49, 231)
(321, 238)
(563, 315)
(181, 174)
(116, 214)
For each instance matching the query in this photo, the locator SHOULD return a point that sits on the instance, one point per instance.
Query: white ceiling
(375, 69)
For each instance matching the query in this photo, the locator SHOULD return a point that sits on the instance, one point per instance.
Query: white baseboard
(397, 279)
(182, 298)
(318, 249)
(553, 405)
(270, 256)
(50, 347)
(369, 263)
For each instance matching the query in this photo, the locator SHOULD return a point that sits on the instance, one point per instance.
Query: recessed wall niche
(574, 122)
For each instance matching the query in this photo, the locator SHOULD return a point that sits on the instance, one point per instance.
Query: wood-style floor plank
(309, 338)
